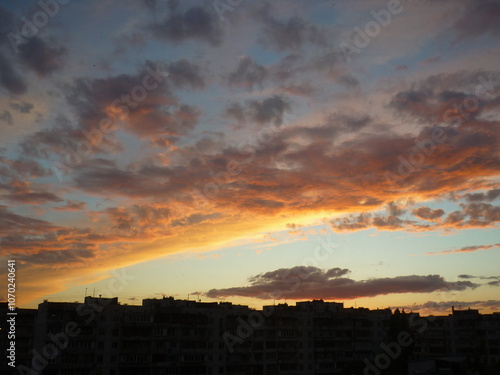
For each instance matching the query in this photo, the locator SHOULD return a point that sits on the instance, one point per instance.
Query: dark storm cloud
(349, 123)
(112, 180)
(6, 117)
(247, 74)
(348, 81)
(288, 67)
(489, 196)
(158, 113)
(98, 178)
(21, 168)
(337, 272)
(482, 277)
(326, 61)
(262, 112)
(22, 107)
(36, 53)
(414, 102)
(333, 126)
(185, 74)
(62, 139)
(290, 34)
(18, 191)
(357, 167)
(127, 41)
(7, 23)
(12, 223)
(474, 215)
(32, 197)
(28, 236)
(389, 222)
(47, 141)
(194, 23)
(150, 4)
(482, 213)
(56, 257)
(314, 283)
(91, 96)
(479, 18)
(236, 111)
(448, 97)
(455, 217)
(367, 220)
(427, 213)
(41, 57)
(178, 121)
(395, 210)
(465, 276)
(9, 78)
(140, 222)
(111, 99)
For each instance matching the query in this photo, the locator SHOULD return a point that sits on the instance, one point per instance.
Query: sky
(252, 152)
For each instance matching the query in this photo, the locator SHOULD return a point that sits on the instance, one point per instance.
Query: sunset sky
(252, 151)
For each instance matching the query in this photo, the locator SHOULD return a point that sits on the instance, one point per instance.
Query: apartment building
(463, 338)
(166, 336)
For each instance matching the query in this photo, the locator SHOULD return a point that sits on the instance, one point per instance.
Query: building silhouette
(166, 336)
